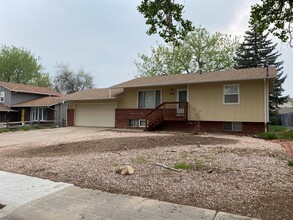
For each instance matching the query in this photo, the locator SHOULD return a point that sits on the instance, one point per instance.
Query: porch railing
(167, 111)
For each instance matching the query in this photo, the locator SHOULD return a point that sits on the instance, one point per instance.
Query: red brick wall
(253, 127)
(70, 117)
(211, 126)
(122, 116)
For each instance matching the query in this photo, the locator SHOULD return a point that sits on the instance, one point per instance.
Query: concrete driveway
(51, 135)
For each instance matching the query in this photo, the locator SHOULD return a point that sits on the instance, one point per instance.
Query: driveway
(48, 135)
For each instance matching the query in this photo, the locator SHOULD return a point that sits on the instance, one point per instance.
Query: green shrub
(269, 135)
(290, 163)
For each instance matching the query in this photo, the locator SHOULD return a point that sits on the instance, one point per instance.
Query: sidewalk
(34, 198)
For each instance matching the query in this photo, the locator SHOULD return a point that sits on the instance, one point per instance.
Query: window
(141, 122)
(132, 123)
(149, 98)
(39, 114)
(2, 96)
(231, 94)
(232, 126)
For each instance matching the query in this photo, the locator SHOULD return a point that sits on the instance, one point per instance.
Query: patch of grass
(290, 163)
(4, 130)
(286, 135)
(24, 128)
(268, 135)
(276, 128)
(183, 166)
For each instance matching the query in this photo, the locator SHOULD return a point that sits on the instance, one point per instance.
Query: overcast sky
(105, 36)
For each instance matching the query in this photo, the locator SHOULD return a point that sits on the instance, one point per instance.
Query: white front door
(181, 97)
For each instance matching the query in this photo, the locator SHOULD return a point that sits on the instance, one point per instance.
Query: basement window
(132, 123)
(232, 126)
(141, 122)
(2, 96)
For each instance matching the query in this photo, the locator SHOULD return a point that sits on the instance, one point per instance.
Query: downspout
(266, 99)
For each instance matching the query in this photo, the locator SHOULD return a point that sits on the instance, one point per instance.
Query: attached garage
(96, 115)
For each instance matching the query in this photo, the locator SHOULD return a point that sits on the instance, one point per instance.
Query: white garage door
(97, 115)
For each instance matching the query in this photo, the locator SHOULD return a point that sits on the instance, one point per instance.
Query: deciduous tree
(165, 18)
(19, 65)
(67, 81)
(276, 16)
(199, 51)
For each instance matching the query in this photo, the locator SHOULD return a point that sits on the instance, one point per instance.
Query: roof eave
(91, 99)
(185, 83)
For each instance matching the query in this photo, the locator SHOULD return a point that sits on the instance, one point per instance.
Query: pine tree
(259, 51)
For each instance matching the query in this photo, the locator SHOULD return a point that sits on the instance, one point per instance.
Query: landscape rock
(125, 170)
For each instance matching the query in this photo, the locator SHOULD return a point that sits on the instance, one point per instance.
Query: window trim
(143, 90)
(236, 103)
(2, 96)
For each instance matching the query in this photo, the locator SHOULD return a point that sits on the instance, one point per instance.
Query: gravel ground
(228, 173)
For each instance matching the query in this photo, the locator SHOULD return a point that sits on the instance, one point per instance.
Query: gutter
(266, 100)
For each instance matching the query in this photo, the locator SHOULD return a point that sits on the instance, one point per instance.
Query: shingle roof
(4, 108)
(94, 94)
(41, 102)
(29, 89)
(217, 76)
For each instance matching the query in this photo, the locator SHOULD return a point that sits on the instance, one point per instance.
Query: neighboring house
(19, 102)
(234, 100)
(288, 104)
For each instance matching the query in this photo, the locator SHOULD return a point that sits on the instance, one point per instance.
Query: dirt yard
(240, 175)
